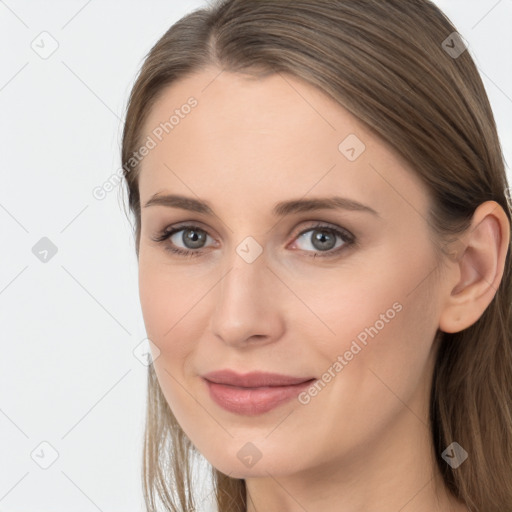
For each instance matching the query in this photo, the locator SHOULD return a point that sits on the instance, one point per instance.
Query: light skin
(363, 442)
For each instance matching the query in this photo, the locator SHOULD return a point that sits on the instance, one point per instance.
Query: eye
(193, 237)
(323, 239)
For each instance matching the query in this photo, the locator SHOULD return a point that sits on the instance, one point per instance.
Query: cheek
(384, 336)
(165, 306)
(381, 326)
(164, 303)
(155, 301)
(174, 307)
(382, 303)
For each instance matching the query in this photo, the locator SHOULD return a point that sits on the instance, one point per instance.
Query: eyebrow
(281, 209)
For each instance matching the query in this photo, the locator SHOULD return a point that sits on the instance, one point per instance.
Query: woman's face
(360, 316)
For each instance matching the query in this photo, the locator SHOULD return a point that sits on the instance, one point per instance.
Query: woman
(323, 233)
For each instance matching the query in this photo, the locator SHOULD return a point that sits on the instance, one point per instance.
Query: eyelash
(346, 236)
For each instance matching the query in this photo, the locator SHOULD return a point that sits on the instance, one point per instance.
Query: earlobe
(479, 269)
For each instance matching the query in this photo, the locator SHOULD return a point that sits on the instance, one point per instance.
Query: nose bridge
(247, 269)
(245, 281)
(243, 298)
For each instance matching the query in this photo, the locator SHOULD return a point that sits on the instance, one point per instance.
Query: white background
(68, 375)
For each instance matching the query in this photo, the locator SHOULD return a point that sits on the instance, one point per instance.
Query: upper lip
(253, 379)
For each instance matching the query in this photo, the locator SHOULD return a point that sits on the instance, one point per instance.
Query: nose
(247, 304)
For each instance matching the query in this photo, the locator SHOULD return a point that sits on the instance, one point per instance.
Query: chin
(261, 466)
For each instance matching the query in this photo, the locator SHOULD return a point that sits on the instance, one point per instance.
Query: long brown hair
(397, 66)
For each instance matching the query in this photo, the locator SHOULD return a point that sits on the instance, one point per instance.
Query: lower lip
(253, 401)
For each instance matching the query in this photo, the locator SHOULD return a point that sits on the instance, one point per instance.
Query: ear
(476, 274)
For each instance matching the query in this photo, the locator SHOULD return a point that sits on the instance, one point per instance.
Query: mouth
(253, 379)
(269, 392)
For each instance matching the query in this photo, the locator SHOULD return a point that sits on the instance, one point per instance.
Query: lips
(253, 393)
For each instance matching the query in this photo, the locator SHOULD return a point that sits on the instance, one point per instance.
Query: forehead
(264, 139)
